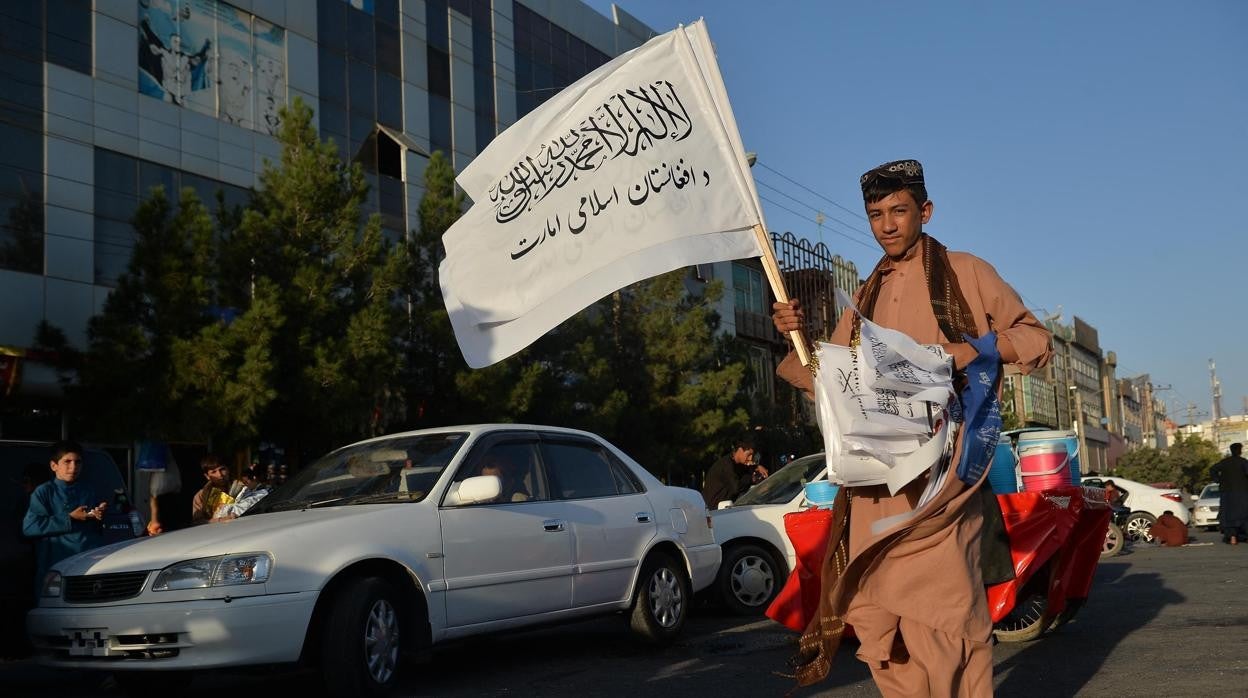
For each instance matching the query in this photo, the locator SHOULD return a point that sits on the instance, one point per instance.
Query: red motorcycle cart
(1056, 538)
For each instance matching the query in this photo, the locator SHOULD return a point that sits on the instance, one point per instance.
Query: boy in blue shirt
(64, 515)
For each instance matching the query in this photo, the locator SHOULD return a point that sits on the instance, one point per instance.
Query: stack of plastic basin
(1066, 437)
(1043, 466)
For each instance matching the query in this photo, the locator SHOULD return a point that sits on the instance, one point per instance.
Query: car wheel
(748, 580)
(661, 599)
(142, 684)
(1139, 526)
(361, 640)
(1113, 540)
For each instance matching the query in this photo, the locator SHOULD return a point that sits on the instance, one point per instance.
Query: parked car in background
(1205, 512)
(1146, 502)
(757, 552)
(389, 546)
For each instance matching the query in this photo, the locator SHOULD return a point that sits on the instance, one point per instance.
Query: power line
(816, 209)
(763, 165)
(803, 217)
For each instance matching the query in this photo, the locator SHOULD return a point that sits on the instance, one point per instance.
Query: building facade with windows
(100, 101)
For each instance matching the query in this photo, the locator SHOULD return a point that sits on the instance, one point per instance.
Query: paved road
(1170, 622)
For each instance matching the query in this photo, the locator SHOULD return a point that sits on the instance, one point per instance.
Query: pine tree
(138, 376)
(333, 281)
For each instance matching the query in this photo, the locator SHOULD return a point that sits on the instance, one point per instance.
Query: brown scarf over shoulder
(818, 644)
(949, 305)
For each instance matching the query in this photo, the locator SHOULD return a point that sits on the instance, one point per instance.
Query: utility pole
(1217, 392)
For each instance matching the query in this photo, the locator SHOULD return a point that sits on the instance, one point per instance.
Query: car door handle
(643, 517)
(553, 525)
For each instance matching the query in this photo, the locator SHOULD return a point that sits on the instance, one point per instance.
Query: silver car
(1205, 513)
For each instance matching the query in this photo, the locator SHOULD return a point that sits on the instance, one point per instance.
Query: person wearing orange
(1169, 531)
(914, 591)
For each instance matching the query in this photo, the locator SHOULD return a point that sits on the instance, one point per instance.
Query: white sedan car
(386, 546)
(1205, 511)
(1147, 503)
(757, 552)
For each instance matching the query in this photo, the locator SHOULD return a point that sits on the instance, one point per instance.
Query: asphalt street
(1170, 622)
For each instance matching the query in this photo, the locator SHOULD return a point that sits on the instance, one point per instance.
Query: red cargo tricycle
(1056, 538)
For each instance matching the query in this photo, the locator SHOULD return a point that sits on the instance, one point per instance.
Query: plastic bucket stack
(821, 493)
(1003, 474)
(1067, 438)
(1043, 466)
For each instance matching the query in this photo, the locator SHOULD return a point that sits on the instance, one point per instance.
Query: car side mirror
(1195, 497)
(724, 504)
(475, 490)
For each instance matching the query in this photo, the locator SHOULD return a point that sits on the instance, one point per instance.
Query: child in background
(64, 515)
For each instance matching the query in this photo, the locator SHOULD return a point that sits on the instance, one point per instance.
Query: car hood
(261, 532)
(1209, 502)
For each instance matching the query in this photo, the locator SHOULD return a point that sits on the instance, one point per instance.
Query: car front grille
(100, 588)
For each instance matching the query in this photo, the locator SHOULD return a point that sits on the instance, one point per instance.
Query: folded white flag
(883, 406)
(633, 171)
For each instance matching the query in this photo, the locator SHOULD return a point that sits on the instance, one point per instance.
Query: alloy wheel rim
(1138, 528)
(667, 599)
(381, 641)
(752, 580)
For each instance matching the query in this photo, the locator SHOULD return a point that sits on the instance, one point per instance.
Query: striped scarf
(948, 304)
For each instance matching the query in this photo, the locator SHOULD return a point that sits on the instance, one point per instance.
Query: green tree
(143, 374)
(333, 281)
(1145, 465)
(1185, 463)
(1010, 418)
(432, 357)
(1191, 457)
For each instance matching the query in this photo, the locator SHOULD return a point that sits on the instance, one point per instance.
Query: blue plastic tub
(821, 493)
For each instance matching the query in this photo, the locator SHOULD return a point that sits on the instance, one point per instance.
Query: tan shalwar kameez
(913, 593)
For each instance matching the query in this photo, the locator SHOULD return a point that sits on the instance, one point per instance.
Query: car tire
(1114, 539)
(360, 646)
(1138, 525)
(152, 684)
(661, 599)
(748, 579)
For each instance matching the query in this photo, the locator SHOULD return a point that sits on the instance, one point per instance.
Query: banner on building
(214, 58)
(635, 170)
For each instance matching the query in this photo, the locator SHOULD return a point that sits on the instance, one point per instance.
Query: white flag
(633, 171)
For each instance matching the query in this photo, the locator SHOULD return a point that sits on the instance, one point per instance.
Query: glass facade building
(100, 101)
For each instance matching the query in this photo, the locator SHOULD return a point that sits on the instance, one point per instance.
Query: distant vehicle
(1147, 503)
(757, 552)
(389, 546)
(1205, 513)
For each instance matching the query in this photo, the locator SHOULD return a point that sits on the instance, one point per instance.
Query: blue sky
(1095, 152)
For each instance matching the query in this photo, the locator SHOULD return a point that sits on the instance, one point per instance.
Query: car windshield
(1210, 491)
(402, 469)
(784, 484)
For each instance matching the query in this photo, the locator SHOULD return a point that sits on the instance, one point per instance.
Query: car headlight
(1203, 509)
(51, 584)
(223, 570)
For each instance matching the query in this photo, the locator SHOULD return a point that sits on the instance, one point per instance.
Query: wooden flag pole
(777, 287)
